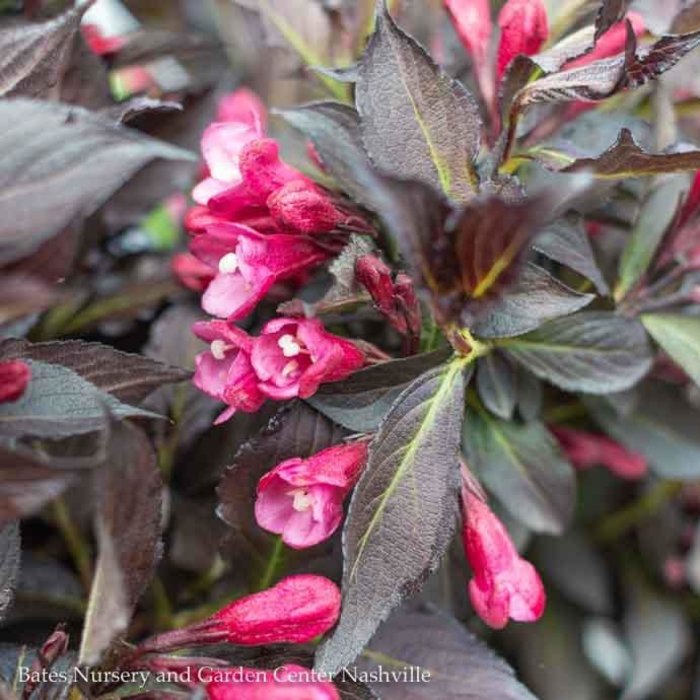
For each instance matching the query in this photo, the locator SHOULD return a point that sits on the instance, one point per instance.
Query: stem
(273, 564)
(619, 523)
(77, 546)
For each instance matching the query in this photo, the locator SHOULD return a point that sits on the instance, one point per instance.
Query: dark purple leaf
(536, 297)
(610, 12)
(410, 485)
(523, 466)
(566, 242)
(59, 164)
(27, 482)
(461, 667)
(361, 402)
(128, 377)
(417, 123)
(626, 159)
(34, 55)
(496, 384)
(593, 352)
(58, 403)
(9, 563)
(128, 492)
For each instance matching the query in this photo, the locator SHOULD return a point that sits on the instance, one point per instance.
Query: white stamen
(228, 264)
(218, 349)
(290, 368)
(289, 345)
(303, 500)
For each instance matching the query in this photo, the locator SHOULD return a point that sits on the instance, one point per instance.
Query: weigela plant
(427, 348)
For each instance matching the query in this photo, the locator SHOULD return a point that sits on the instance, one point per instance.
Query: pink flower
(244, 107)
(192, 273)
(472, 21)
(222, 145)
(524, 29)
(246, 264)
(504, 585)
(14, 378)
(294, 357)
(587, 450)
(288, 682)
(296, 610)
(611, 43)
(302, 499)
(225, 372)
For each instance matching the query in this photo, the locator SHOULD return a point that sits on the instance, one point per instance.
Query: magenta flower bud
(504, 585)
(472, 22)
(288, 682)
(244, 107)
(14, 377)
(524, 29)
(408, 303)
(375, 275)
(264, 172)
(303, 207)
(302, 499)
(586, 450)
(296, 610)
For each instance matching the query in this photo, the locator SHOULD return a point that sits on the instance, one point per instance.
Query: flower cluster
(290, 358)
(259, 222)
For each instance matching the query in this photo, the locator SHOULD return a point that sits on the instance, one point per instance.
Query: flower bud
(586, 450)
(524, 29)
(296, 610)
(504, 585)
(14, 377)
(304, 208)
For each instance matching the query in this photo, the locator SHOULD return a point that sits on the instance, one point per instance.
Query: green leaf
(417, 123)
(654, 217)
(360, 402)
(679, 336)
(523, 466)
(593, 352)
(58, 402)
(663, 426)
(408, 492)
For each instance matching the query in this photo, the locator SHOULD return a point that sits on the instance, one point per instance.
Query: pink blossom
(14, 378)
(586, 450)
(302, 499)
(246, 264)
(504, 585)
(225, 372)
(294, 357)
(192, 273)
(222, 145)
(288, 682)
(524, 29)
(244, 107)
(612, 42)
